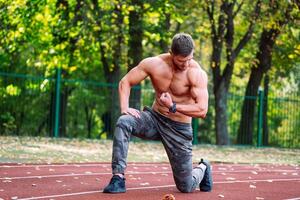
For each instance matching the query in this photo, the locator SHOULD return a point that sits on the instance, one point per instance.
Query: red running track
(145, 181)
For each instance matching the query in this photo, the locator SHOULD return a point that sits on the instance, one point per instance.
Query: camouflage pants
(175, 136)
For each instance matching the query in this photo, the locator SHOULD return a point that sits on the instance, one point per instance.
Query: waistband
(161, 116)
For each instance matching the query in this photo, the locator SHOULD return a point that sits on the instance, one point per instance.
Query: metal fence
(51, 106)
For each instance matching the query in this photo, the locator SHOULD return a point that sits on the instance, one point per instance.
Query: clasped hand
(166, 99)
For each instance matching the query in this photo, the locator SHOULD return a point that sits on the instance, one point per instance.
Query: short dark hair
(182, 44)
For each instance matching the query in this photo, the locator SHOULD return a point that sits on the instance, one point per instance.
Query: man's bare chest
(174, 83)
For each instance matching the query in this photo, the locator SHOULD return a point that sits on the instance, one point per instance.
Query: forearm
(192, 110)
(124, 93)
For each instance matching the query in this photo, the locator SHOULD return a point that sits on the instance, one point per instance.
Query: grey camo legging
(175, 136)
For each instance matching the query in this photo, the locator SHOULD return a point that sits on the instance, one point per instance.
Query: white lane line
(95, 191)
(249, 166)
(154, 187)
(259, 180)
(296, 198)
(131, 172)
(109, 173)
(81, 165)
(84, 174)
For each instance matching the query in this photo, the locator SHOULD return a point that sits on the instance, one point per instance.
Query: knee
(125, 121)
(122, 121)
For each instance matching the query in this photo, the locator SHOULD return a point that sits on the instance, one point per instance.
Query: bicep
(199, 90)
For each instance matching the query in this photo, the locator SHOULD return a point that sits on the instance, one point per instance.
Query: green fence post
(195, 125)
(260, 117)
(57, 102)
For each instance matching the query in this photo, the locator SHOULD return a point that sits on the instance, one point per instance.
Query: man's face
(182, 62)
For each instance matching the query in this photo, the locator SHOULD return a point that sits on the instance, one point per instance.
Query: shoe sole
(114, 192)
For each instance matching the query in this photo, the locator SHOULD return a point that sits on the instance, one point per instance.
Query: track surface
(145, 181)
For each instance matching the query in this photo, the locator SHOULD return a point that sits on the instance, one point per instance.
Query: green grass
(62, 150)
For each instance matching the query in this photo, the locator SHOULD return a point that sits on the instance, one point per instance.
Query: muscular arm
(133, 77)
(199, 94)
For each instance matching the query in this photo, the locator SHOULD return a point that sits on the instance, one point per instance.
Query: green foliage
(89, 110)
(36, 37)
(284, 121)
(8, 123)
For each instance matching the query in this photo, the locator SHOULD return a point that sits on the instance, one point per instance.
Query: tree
(223, 31)
(281, 12)
(110, 33)
(135, 48)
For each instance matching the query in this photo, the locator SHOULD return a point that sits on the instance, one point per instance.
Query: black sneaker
(116, 185)
(207, 183)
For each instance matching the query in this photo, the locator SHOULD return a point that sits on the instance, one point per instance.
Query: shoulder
(150, 62)
(196, 74)
(154, 60)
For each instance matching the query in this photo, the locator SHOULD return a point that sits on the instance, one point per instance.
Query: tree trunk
(165, 26)
(51, 113)
(222, 79)
(265, 111)
(89, 119)
(221, 116)
(263, 65)
(114, 106)
(245, 131)
(64, 96)
(264, 56)
(135, 52)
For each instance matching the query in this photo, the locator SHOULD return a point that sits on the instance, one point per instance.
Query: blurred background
(61, 60)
